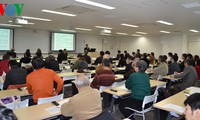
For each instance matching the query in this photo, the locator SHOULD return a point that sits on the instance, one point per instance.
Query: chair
(17, 105)
(50, 99)
(16, 86)
(145, 109)
(156, 90)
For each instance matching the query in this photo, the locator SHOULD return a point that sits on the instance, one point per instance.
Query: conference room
(159, 26)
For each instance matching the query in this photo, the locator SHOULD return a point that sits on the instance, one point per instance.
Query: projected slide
(63, 41)
(5, 39)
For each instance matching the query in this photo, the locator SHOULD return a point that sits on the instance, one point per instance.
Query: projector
(21, 21)
(105, 31)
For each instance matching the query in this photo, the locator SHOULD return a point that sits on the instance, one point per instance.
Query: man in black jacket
(15, 76)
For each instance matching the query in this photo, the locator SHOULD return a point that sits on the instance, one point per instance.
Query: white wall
(194, 45)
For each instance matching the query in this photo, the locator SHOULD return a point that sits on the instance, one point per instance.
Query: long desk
(14, 92)
(177, 100)
(36, 112)
(122, 91)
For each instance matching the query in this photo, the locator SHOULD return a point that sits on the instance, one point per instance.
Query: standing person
(12, 53)
(65, 53)
(139, 85)
(4, 64)
(84, 105)
(86, 49)
(40, 82)
(192, 104)
(16, 75)
(39, 53)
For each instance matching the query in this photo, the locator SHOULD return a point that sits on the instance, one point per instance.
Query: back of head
(51, 57)
(81, 81)
(161, 58)
(189, 61)
(107, 52)
(142, 65)
(106, 62)
(193, 101)
(145, 55)
(165, 57)
(152, 53)
(79, 55)
(170, 54)
(12, 63)
(6, 114)
(175, 58)
(37, 63)
(6, 57)
(119, 51)
(102, 53)
(122, 56)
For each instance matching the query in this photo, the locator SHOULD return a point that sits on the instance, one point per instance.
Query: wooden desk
(14, 92)
(67, 74)
(36, 112)
(121, 91)
(170, 78)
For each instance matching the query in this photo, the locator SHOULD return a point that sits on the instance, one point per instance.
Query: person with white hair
(84, 105)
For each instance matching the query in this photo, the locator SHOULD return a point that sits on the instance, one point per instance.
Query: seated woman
(122, 61)
(139, 85)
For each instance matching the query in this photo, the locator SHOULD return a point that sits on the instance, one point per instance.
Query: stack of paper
(175, 107)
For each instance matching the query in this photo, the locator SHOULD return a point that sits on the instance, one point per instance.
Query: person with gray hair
(139, 85)
(84, 105)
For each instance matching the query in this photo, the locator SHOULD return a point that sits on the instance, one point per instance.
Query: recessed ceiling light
(119, 33)
(129, 25)
(59, 13)
(85, 29)
(141, 33)
(192, 30)
(191, 5)
(35, 18)
(67, 30)
(103, 27)
(162, 31)
(136, 35)
(95, 4)
(10, 25)
(164, 22)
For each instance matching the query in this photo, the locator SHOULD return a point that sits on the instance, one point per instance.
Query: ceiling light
(21, 21)
(10, 25)
(164, 31)
(34, 18)
(95, 4)
(129, 25)
(141, 33)
(164, 22)
(103, 27)
(59, 13)
(191, 5)
(194, 30)
(119, 33)
(84, 29)
(136, 35)
(67, 30)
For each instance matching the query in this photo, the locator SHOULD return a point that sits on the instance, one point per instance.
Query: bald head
(81, 81)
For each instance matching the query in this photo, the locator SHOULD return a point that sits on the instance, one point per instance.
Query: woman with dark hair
(39, 53)
(184, 57)
(122, 61)
(7, 114)
(139, 85)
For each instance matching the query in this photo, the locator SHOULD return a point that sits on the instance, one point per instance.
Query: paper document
(121, 68)
(122, 87)
(119, 76)
(175, 107)
(53, 109)
(193, 90)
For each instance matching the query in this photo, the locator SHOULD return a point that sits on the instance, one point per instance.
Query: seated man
(15, 76)
(162, 68)
(80, 63)
(40, 82)
(52, 63)
(174, 66)
(99, 59)
(192, 103)
(189, 76)
(100, 66)
(84, 105)
(105, 77)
